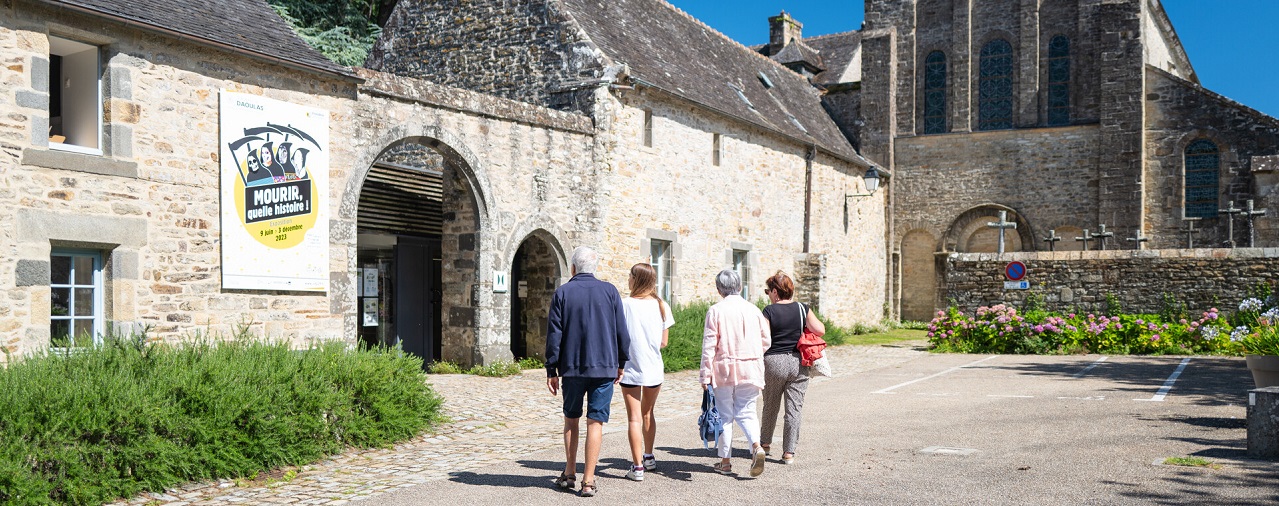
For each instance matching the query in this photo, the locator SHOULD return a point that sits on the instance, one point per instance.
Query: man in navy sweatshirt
(586, 344)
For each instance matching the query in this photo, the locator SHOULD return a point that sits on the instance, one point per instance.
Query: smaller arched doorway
(971, 232)
(535, 274)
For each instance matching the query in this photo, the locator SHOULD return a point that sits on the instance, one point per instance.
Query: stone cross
(1003, 224)
(1138, 239)
(1052, 240)
(1230, 211)
(1087, 237)
(1101, 236)
(1190, 231)
(1251, 214)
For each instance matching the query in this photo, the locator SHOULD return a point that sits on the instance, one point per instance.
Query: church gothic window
(995, 86)
(935, 93)
(1203, 163)
(1059, 81)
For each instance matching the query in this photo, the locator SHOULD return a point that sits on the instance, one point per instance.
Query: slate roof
(798, 52)
(245, 26)
(669, 49)
(839, 52)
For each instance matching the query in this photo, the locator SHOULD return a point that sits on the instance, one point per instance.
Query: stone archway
(535, 274)
(919, 276)
(969, 232)
(449, 257)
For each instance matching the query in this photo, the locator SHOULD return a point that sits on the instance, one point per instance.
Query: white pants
(737, 404)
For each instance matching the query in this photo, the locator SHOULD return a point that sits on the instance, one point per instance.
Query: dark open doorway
(398, 265)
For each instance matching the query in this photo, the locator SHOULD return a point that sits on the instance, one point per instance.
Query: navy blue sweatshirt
(586, 330)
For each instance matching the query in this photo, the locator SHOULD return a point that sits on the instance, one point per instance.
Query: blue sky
(1233, 44)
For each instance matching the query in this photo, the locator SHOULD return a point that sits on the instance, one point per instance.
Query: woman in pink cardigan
(733, 345)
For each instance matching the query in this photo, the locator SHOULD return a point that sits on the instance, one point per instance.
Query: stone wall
(1080, 281)
(753, 200)
(1043, 174)
(1179, 112)
(524, 50)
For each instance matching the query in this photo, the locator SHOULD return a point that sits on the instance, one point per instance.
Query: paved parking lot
(955, 429)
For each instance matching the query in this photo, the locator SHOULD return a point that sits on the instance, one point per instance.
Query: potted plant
(1261, 349)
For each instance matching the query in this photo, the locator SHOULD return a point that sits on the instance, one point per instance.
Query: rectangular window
(75, 96)
(660, 259)
(717, 147)
(75, 298)
(741, 264)
(648, 128)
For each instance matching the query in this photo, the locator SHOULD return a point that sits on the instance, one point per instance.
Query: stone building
(1066, 114)
(449, 200)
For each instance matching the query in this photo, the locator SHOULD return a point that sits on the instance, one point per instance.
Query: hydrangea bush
(1002, 329)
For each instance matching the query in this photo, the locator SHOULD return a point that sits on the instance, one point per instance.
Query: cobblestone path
(494, 420)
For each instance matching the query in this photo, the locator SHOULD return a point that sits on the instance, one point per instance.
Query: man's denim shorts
(598, 393)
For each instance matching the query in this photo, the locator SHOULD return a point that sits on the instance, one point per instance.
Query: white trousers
(737, 404)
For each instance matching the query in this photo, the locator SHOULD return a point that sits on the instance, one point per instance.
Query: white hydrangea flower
(1209, 332)
(1250, 304)
(1239, 333)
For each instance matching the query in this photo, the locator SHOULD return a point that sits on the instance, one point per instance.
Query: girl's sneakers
(650, 462)
(636, 473)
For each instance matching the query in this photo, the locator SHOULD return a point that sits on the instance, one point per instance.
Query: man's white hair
(728, 283)
(585, 260)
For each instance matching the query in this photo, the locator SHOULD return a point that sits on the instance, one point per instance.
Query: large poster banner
(275, 171)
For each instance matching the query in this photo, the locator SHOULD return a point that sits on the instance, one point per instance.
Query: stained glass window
(995, 86)
(1059, 81)
(935, 93)
(1203, 163)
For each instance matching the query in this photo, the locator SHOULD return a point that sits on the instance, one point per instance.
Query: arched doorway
(919, 276)
(416, 252)
(535, 274)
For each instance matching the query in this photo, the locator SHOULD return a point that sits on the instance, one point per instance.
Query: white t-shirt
(645, 324)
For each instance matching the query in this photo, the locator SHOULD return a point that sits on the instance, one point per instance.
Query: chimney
(781, 30)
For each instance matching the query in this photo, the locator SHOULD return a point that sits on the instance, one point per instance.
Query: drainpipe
(809, 154)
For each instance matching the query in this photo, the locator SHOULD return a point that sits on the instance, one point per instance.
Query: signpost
(1015, 271)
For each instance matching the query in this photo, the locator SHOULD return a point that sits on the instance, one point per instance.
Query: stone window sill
(80, 162)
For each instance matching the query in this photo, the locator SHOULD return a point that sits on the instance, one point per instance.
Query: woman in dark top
(783, 375)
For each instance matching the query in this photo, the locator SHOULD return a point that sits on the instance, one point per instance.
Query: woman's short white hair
(728, 283)
(585, 260)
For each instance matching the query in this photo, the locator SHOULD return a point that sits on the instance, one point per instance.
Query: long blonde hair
(643, 283)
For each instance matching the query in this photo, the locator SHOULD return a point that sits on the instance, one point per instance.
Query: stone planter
(1265, 370)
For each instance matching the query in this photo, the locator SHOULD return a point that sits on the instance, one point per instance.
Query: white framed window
(648, 128)
(75, 96)
(660, 259)
(741, 264)
(75, 298)
(717, 149)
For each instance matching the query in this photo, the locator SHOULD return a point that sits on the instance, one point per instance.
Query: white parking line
(1089, 368)
(1163, 391)
(1011, 396)
(911, 382)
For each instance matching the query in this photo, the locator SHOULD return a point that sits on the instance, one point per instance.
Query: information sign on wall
(274, 178)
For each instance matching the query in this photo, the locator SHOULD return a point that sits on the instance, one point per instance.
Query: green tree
(343, 30)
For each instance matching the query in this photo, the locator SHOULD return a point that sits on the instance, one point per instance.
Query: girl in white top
(647, 321)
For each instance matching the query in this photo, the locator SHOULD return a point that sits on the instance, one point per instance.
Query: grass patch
(684, 349)
(494, 370)
(1191, 462)
(122, 418)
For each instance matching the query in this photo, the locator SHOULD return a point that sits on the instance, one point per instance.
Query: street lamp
(872, 183)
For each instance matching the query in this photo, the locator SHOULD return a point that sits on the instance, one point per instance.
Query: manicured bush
(118, 419)
(1001, 329)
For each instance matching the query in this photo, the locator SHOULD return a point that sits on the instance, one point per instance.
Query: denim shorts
(598, 393)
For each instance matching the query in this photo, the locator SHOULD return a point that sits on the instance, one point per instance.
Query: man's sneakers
(650, 462)
(757, 463)
(636, 473)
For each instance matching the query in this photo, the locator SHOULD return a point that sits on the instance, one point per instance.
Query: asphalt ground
(947, 429)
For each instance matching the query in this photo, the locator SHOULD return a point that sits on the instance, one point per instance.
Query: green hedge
(118, 419)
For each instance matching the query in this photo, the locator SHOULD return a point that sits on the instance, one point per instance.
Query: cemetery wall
(1078, 281)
